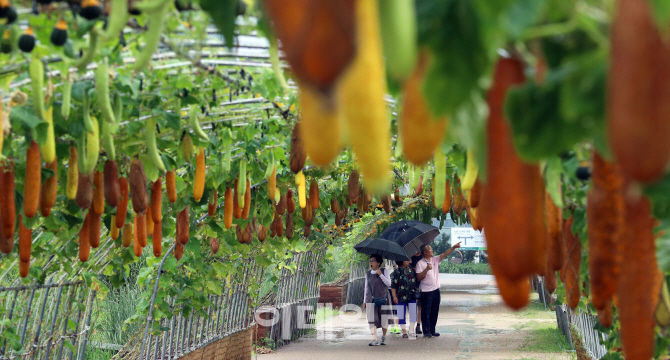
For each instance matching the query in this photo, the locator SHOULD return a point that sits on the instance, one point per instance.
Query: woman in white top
(377, 282)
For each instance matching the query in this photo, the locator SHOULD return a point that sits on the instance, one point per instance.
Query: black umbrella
(412, 239)
(387, 249)
(398, 228)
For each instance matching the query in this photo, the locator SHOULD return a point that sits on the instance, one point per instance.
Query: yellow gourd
(300, 183)
(361, 95)
(320, 128)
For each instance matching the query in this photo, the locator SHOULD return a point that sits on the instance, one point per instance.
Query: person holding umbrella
(427, 273)
(405, 287)
(410, 235)
(377, 282)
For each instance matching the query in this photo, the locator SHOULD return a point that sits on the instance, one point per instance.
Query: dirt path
(474, 325)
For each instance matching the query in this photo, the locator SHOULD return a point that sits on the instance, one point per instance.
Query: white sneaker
(383, 341)
(374, 343)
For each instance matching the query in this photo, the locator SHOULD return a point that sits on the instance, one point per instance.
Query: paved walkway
(473, 322)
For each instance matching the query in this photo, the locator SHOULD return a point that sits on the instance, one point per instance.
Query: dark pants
(430, 307)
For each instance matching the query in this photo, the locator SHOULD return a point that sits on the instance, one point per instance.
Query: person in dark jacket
(377, 282)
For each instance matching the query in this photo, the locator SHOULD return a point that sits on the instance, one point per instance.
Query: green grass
(534, 311)
(340, 262)
(98, 354)
(543, 337)
(119, 305)
(323, 314)
(467, 268)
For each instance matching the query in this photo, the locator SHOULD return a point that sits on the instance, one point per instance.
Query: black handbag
(378, 301)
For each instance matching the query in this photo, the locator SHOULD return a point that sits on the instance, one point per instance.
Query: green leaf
(557, 48)
(223, 13)
(26, 115)
(550, 119)
(149, 168)
(170, 264)
(451, 29)
(523, 14)
(214, 288)
(579, 224)
(184, 81)
(109, 270)
(661, 12)
(659, 194)
(172, 120)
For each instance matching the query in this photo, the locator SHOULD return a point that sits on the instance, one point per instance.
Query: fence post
(39, 322)
(53, 321)
(82, 348)
(153, 299)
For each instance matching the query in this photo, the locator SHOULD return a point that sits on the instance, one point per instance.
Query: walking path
(473, 321)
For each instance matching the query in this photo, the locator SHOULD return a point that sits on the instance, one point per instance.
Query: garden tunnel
(245, 142)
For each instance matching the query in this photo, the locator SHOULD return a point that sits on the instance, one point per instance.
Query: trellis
(47, 314)
(47, 311)
(584, 324)
(231, 312)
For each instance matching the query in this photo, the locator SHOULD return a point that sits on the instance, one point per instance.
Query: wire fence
(584, 324)
(187, 331)
(53, 320)
(356, 284)
(296, 300)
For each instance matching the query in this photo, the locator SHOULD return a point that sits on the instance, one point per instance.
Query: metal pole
(278, 298)
(190, 329)
(158, 338)
(39, 322)
(82, 349)
(180, 338)
(226, 314)
(73, 291)
(218, 329)
(28, 312)
(196, 322)
(79, 315)
(169, 333)
(212, 323)
(153, 297)
(52, 331)
(205, 324)
(243, 298)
